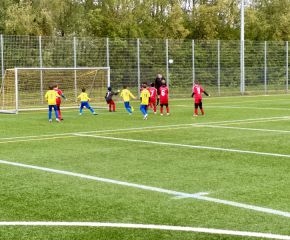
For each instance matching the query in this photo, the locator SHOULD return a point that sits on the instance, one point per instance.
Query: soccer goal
(25, 88)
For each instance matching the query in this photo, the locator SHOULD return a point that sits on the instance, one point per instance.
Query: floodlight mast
(242, 60)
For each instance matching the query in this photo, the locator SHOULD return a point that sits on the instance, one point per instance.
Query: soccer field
(225, 175)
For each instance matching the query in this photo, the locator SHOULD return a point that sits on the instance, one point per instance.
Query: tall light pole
(242, 60)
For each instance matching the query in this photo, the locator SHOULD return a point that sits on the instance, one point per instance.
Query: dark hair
(83, 89)
(124, 86)
(152, 84)
(50, 87)
(109, 88)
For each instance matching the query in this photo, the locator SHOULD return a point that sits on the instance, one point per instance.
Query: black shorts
(164, 104)
(196, 105)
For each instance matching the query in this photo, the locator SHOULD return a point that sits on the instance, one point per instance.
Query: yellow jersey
(51, 96)
(84, 97)
(145, 95)
(126, 95)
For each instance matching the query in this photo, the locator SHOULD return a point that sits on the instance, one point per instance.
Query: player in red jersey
(197, 92)
(163, 97)
(153, 95)
(58, 100)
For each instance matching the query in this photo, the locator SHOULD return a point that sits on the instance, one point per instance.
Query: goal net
(25, 88)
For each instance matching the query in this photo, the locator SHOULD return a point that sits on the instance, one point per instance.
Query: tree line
(265, 20)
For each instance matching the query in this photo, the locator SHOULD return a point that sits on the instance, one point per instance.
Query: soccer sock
(195, 111)
(92, 110)
(202, 112)
(59, 114)
(110, 107)
(114, 107)
(167, 109)
(154, 107)
(161, 109)
(56, 113)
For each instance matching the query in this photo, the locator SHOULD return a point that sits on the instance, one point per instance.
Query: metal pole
(265, 67)
(16, 91)
(108, 52)
(242, 60)
(219, 68)
(75, 65)
(287, 68)
(41, 65)
(2, 69)
(193, 59)
(167, 64)
(138, 65)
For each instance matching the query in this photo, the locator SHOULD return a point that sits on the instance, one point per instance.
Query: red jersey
(197, 90)
(153, 93)
(58, 99)
(163, 94)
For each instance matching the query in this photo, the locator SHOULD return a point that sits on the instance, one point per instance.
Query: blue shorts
(85, 104)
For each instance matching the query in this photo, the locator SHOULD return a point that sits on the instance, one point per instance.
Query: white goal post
(24, 88)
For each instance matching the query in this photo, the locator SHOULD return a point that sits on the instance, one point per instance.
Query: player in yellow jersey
(126, 95)
(85, 102)
(144, 97)
(51, 96)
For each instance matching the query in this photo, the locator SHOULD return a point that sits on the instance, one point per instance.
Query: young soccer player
(85, 102)
(197, 92)
(158, 84)
(58, 100)
(109, 99)
(164, 97)
(153, 94)
(144, 97)
(51, 96)
(126, 95)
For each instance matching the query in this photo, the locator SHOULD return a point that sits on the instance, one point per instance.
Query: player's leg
(196, 108)
(113, 106)
(56, 113)
(50, 113)
(201, 108)
(128, 107)
(81, 107)
(161, 109)
(167, 109)
(154, 107)
(59, 112)
(110, 106)
(90, 108)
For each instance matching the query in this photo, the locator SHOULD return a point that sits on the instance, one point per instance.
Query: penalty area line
(176, 194)
(150, 227)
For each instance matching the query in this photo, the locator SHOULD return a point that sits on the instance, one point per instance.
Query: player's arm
(131, 95)
(192, 94)
(205, 93)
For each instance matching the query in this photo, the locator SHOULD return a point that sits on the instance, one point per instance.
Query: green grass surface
(33, 195)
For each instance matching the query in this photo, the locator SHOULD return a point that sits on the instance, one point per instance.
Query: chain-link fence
(215, 64)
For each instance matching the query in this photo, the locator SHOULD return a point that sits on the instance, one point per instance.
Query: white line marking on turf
(186, 145)
(150, 226)
(199, 196)
(148, 127)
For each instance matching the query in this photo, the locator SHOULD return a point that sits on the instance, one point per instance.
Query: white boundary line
(199, 196)
(186, 145)
(149, 226)
(149, 127)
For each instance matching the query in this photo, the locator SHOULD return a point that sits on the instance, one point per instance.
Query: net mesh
(33, 84)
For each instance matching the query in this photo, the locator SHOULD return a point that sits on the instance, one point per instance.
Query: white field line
(151, 227)
(148, 127)
(186, 145)
(199, 196)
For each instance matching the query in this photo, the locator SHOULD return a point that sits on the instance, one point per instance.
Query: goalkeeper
(109, 99)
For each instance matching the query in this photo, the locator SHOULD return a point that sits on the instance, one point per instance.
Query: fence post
(138, 65)
(167, 64)
(265, 67)
(287, 69)
(75, 65)
(219, 68)
(2, 68)
(108, 52)
(193, 65)
(242, 66)
(40, 65)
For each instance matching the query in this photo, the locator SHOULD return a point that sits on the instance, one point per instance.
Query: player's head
(144, 85)
(159, 76)
(83, 89)
(50, 87)
(124, 86)
(109, 89)
(163, 83)
(152, 85)
(196, 82)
